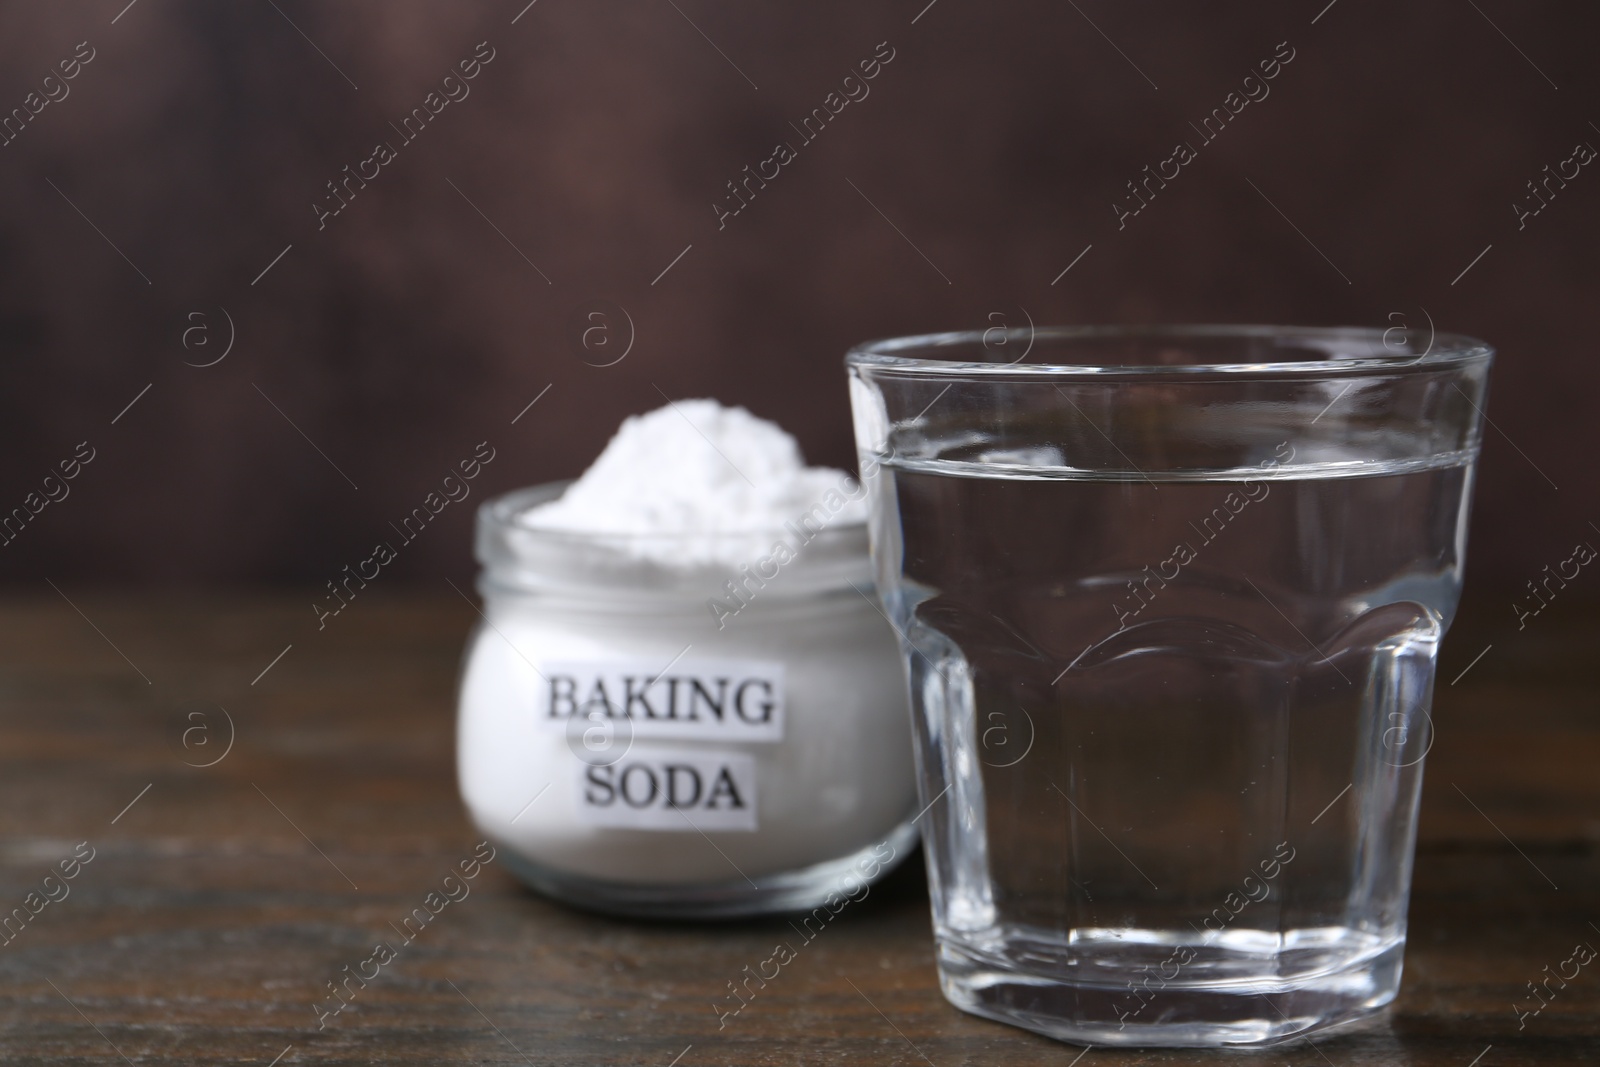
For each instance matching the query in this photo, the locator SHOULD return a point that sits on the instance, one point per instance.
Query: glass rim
(1445, 351)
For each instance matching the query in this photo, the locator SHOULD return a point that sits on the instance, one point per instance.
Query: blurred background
(268, 372)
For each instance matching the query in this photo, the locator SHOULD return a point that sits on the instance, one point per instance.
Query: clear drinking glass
(1169, 601)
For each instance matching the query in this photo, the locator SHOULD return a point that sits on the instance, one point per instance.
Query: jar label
(700, 700)
(670, 790)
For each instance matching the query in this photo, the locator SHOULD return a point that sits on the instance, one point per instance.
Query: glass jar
(647, 729)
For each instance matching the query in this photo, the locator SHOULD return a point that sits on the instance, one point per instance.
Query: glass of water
(1169, 601)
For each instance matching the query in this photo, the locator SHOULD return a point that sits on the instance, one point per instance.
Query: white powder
(696, 467)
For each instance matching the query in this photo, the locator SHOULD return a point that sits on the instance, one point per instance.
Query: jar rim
(527, 558)
(505, 508)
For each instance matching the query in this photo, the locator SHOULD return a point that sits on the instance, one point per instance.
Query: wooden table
(222, 898)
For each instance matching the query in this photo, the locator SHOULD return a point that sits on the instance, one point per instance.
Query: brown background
(597, 140)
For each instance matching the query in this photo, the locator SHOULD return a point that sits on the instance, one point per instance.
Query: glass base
(1234, 1012)
(791, 891)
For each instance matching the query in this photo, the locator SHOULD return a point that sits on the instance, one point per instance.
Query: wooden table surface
(220, 899)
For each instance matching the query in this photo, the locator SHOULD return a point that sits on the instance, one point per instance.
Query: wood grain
(220, 903)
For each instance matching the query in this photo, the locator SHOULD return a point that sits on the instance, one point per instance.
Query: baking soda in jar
(683, 699)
